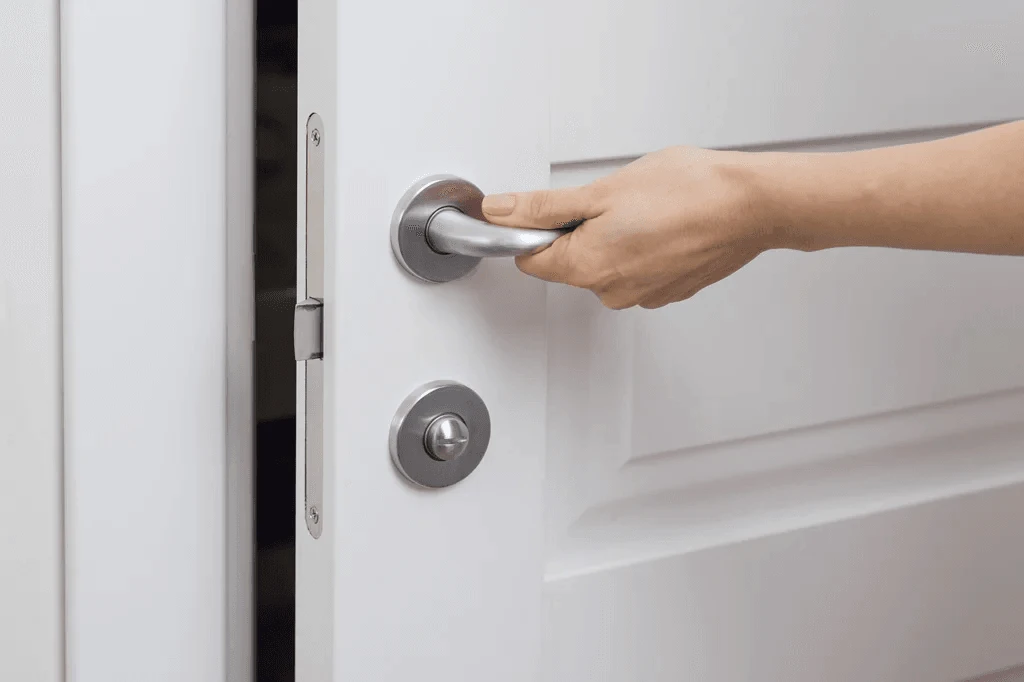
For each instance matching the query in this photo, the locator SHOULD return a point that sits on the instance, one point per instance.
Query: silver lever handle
(451, 231)
(438, 232)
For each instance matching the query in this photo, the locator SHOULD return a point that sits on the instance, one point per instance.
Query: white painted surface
(928, 593)
(31, 496)
(629, 77)
(809, 472)
(145, 276)
(406, 584)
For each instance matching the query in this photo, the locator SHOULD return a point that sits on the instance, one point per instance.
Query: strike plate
(309, 327)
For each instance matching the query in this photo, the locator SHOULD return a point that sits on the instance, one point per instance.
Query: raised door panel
(806, 470)
(929, 593)
(840, 367)
(821, 444)
(628, 77)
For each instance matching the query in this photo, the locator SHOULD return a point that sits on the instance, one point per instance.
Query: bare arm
(963, 193)
(675, 221)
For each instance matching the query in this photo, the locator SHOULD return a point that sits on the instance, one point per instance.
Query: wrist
(793, 196)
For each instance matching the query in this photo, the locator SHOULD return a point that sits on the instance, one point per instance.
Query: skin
(675, 221)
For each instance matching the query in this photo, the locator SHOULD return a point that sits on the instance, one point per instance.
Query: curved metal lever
(438, 232)
(451, 231)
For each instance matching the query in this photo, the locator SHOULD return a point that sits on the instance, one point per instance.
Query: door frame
(157, 173)
(31, 511)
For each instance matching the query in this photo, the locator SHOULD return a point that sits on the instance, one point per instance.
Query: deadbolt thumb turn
(439, 234)
(439, 434)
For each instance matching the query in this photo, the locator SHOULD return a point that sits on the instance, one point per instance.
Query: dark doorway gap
(274, 366)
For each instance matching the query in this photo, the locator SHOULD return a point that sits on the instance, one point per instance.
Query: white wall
(31, 562)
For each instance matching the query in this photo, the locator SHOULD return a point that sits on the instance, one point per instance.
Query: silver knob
(446, 438)
(438, 232)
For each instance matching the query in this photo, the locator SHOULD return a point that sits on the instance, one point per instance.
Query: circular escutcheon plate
(409, 227)
(415, 414)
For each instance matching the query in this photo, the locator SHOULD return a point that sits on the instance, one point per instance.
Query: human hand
(657, 231)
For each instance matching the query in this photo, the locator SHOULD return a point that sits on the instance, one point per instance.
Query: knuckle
(533, 267)
(600, 191)
(587, 272)
(539, 204)
(685, 296)
(582, 275)
(570, 260)
(616, 301)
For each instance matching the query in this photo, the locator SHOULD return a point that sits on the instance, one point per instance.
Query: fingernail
(499, 204)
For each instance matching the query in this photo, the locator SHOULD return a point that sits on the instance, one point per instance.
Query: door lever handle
(452, 231)
(438, 233)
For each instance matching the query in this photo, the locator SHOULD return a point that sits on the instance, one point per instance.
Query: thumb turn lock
(439, 434)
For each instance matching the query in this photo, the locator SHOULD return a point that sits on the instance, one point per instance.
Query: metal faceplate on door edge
(308, 328)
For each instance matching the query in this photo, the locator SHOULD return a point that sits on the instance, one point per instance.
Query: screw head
(314, 515)
(446, 438)
(315, 137)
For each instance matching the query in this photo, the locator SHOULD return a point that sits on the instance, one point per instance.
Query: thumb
(545, 209)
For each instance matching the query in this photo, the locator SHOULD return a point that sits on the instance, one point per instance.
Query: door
(813, 470)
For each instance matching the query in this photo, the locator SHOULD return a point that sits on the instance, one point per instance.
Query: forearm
(964, 193)
(674, 221)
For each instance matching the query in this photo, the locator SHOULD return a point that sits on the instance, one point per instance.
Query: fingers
(566, 261)
(548, 208)
(553, 264)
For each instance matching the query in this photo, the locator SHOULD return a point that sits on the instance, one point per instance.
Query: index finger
(543, 209)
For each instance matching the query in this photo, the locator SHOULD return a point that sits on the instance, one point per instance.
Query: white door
(813, 470)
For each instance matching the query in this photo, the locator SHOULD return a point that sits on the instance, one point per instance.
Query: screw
(315, 136)
(314, 515)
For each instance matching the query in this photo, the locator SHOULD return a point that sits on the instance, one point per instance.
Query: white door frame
(157, 195)
(31, 514)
